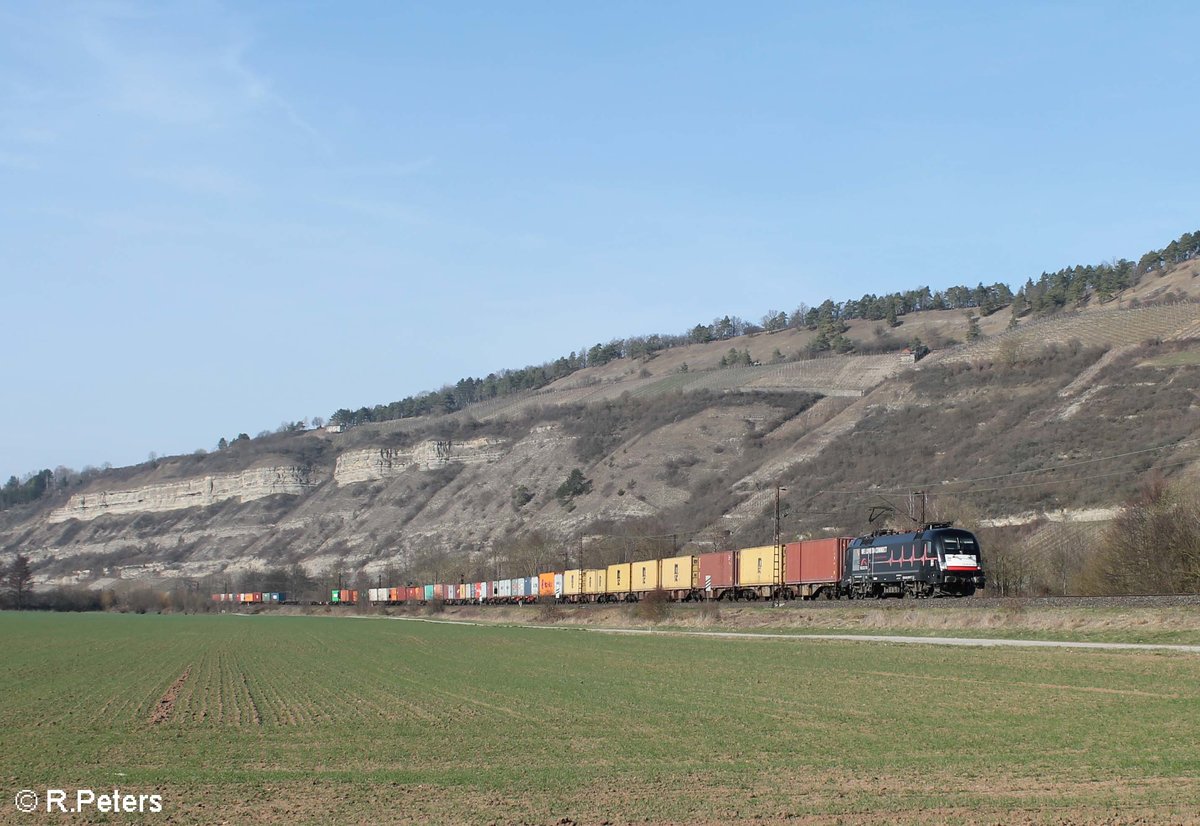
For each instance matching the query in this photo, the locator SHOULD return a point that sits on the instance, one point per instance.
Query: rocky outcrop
(199, 491)
(385, 462)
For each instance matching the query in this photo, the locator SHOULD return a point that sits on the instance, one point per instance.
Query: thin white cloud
(384, 211)
(255, 87)
(177, 67)
(201, 180)
(25, 163)
(392, 169)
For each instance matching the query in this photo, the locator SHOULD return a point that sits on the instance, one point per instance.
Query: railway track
(993, 602)
(1130, 600)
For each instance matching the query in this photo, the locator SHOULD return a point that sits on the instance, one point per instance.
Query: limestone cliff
(383, 462)
(203, 491)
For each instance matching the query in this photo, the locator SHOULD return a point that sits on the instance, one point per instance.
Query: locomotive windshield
(960, 544)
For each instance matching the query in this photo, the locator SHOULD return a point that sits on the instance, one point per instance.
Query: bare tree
(18, 580)
(1154, 543)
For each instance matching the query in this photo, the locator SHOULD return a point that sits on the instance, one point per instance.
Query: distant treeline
(17, 492)
(828, 320)
(1051, 293)
(1057, 291)
(33, 486)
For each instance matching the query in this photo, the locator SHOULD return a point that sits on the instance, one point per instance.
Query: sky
(216, 218)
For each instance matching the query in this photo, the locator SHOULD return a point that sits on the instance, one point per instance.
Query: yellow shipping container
(594, 580)
(757, 566)
(679, 572)
(573, 582)
(645, 575)
(617, 579)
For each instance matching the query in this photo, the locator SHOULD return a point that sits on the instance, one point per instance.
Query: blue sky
(220, 217)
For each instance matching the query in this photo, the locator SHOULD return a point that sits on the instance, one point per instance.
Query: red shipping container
(814, 560)
(717, 570)
(439, 591)
(416, 593)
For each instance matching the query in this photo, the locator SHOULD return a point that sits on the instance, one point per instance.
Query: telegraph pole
(778, 490)
(778, 551)
(924, 498)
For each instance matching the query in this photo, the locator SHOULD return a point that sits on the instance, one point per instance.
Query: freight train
(938, 560)
(253, 598)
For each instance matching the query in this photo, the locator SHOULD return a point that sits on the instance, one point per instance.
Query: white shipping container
(558, 585)
(504, 588)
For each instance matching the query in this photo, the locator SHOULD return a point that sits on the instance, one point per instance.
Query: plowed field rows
(320, 720)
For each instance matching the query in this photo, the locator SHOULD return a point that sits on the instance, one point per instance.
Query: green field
(333, 719)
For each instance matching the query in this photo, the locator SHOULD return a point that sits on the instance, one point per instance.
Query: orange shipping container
(546, 585)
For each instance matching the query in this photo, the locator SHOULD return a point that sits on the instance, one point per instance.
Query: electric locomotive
(939, 560)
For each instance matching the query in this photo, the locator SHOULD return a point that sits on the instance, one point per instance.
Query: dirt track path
(982, 642)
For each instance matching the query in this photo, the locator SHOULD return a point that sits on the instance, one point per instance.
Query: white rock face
(386, 462)
(1062, 515)
(187, 493)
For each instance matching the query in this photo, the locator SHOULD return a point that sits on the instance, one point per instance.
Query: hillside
(1012, 429)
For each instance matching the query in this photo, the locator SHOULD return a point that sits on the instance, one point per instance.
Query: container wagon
(643, 578)
(572, 590)
(595, 584)
(718, 575)
(679, 577)
(813, 567)
(616, 583)
(759, 572)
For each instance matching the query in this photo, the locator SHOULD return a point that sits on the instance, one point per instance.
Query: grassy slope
(291, 718)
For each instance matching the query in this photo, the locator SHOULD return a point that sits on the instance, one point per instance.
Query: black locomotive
(939, 560)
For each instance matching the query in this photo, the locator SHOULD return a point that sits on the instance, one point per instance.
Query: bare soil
(166, 705)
